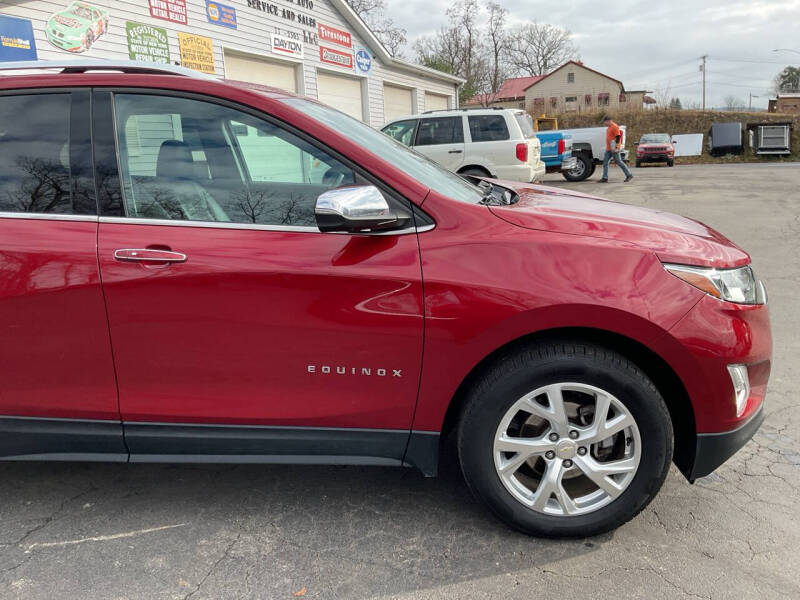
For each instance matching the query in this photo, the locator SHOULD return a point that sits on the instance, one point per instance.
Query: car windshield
(655, 138)
(424, 170)
(81, 11)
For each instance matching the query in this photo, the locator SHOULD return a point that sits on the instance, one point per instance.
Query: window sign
(221, 14)
(169, 10)
(197, 52)
(147, 43)
(16, 39)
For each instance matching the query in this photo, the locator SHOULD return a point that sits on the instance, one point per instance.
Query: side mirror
(635, 143)
(357, 209)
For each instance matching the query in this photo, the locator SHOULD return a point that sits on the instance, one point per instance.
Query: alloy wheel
(567, 449)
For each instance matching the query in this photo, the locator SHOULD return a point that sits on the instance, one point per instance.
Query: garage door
(255, 70)
(340, 92)
(397, 102)
(435, 102)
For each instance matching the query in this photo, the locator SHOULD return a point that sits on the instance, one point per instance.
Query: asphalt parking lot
(268, 532)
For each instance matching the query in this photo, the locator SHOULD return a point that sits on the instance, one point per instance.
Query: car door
(58, 397)
(442, 139)
(227, 305)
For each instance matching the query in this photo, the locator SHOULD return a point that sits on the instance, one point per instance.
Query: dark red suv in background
(655, 147)
(200, 271)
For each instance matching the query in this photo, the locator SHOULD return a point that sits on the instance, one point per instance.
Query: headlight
(733, 285)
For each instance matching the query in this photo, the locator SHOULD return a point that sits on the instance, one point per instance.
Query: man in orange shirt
(613, 143)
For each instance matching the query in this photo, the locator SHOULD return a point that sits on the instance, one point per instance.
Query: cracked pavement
(179, 531)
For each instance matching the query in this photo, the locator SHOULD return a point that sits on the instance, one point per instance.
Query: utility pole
(703, 70)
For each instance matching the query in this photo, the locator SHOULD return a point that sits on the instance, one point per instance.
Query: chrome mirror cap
(356, 209)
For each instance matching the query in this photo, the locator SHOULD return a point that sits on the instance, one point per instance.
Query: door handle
(455, 151)
(148, 255)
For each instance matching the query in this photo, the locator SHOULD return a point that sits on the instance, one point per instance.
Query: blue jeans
(620, 162)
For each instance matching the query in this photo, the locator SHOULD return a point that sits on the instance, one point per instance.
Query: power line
(745, 60)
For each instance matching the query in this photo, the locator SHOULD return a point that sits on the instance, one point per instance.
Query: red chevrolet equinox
(202, 271)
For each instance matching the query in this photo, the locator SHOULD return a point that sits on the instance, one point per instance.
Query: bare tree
(372, 12)
(535, 49)
(733, 103)
(663, 95)
(458, 48)
(498, 44)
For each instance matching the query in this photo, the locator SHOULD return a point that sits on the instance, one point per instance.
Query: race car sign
(16, 39)
(336, 57)
(169, 10)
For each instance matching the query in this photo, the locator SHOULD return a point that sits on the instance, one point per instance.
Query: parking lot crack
(214, 566)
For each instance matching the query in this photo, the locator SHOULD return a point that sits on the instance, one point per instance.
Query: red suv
(201, 271)
(655, 147)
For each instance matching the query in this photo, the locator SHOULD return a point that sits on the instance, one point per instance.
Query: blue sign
(363, 60)
(16, 39)
(220, 14)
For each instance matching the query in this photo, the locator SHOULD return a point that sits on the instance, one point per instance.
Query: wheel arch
(479, 167)
(663, 376)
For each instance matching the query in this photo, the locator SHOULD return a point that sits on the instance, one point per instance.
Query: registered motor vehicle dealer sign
(147, 43)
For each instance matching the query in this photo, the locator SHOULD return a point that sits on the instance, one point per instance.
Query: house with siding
(572, 87)
(318, 48)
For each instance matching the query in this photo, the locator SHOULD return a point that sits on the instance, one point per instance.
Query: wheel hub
(566, 449)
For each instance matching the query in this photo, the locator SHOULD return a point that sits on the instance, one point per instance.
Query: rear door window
(442, 130)
(488, 128)
(525, 123)
(35, 156)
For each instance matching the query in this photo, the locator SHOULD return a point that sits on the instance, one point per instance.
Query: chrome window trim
(248, 226)
(49, 217)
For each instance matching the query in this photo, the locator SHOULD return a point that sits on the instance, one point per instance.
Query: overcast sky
(651, 45)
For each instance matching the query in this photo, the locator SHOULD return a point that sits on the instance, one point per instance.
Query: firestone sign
(335, 36)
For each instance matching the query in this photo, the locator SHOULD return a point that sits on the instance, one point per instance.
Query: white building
(317, 48)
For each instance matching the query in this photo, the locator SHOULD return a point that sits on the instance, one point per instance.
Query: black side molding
(28, 438)
(713, 449)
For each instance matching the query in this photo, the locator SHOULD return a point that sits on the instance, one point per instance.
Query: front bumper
(713, 449)
(654, 158)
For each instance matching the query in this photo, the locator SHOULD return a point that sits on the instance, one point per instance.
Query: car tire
(576, 370)
(582, 171)
(638, 164)
(475, 172)
(670, 163)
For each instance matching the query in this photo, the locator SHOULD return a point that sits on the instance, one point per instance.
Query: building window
(603, 99)
(570, 77)
(623, 98)
(587, 99)
(538, 101)
(553, 101)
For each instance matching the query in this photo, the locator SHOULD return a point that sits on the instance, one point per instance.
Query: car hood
(69, 21)
(673, 238)
(661, 145)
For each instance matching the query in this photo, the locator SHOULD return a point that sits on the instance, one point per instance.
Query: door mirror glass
(357, 209)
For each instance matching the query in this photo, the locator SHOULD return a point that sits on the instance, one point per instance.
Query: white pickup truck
(589, 148)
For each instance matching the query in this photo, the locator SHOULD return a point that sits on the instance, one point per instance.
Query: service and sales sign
(147, 43)
(336, 57)
(169, 10)
(16, 39)
(335, 36)
(221, 14)
(287, 46)
(197, 52)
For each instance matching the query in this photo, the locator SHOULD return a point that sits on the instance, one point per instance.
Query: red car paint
(192, 343)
